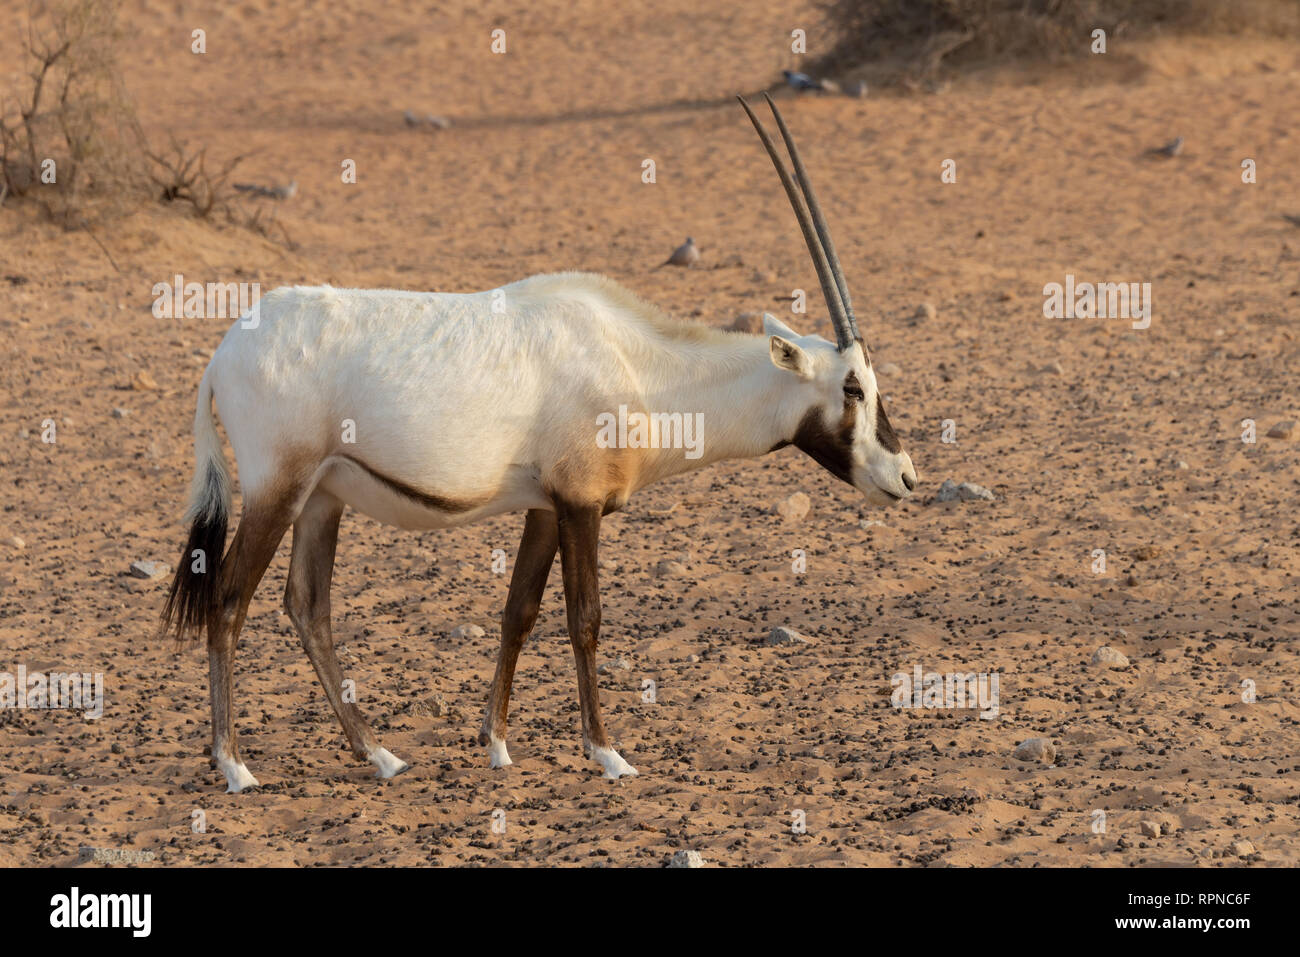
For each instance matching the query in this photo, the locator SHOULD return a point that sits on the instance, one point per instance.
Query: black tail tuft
(195, 590)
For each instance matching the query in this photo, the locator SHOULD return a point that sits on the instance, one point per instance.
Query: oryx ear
(786, 355)
(775, 327)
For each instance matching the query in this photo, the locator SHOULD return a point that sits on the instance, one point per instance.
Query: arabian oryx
(464, 406)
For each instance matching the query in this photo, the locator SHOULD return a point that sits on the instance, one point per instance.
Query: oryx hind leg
(307, 601)
(261, 528)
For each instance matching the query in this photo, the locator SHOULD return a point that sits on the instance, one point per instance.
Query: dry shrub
(74, 112)
(922, 33)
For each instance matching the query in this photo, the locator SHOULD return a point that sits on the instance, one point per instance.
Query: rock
(947, 492)
(889, 368)
(461, 632)
(1108, 657)
(1283, 430)
(781, 635)
(1150, 828)
(924, 312)
(1182, 465)
(114, 855)
(969, 492)
(618, 664)
(1144, 553)
(144, 382)
(751, 322)
(687, 859)
(13, 541)
(1055, 368)
(120, 413)
(1243, 848)
(150, 570)
(693, 659)
(795, 508)
(670, 569)
(1036, 749)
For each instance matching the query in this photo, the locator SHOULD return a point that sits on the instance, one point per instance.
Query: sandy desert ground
(1091, 435)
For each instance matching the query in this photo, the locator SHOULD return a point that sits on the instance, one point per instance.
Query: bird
(1172, 148)
(800, 81)
(271, 192)
(684, 255)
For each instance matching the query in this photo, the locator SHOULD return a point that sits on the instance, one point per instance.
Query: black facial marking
(853, 388)
(884, 431)
(829, 447)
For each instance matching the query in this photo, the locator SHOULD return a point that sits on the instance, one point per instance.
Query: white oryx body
(427, 410)
(495, 406)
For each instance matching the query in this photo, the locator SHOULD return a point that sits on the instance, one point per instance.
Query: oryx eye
(854, 391)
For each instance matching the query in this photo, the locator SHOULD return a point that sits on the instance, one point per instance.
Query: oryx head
(845, 428)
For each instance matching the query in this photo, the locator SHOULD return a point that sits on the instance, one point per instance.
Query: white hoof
(613, 763)
(498, 756)
(238, 777)
(387, 763)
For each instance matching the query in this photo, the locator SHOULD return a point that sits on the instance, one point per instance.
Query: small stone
(670, 569)
(1108, 657)
(1283, 430)
(781, 635)
(618, 664)
(144, 382)
(461, 632)
(693, 659)
(1150, 828)
(150, 570)
(947, 492)
(969, 492)
(889, 368)
(1144, 553)
(751, 322)
(795, 508)
(924, 311)
(687, 859)
(1243, 848)
(1183, 465)
(1036, 749)
(13, 541)
(120, 413)
(1055, 368)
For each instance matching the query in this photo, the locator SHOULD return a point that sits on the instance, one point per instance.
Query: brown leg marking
(527, 584)
(307, 601)
(579, 528)
(260, 530)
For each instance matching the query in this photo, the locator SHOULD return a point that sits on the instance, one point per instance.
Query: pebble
(120, 413)
(1036, 749)
(687, 859)
(143, 382)
(150, 570)
(1283, 430)
(670, 569)
(15, 542)
(889, 368)
(618, 664)
(950, 491)
(1243, 848)
(780, 635)
(1109, 657)
(795, 508)
(1150, 828)
(923, 312)
(466, 631)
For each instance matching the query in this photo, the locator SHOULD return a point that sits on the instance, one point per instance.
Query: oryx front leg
(579, 530)
(527, 584)
(307, 600)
